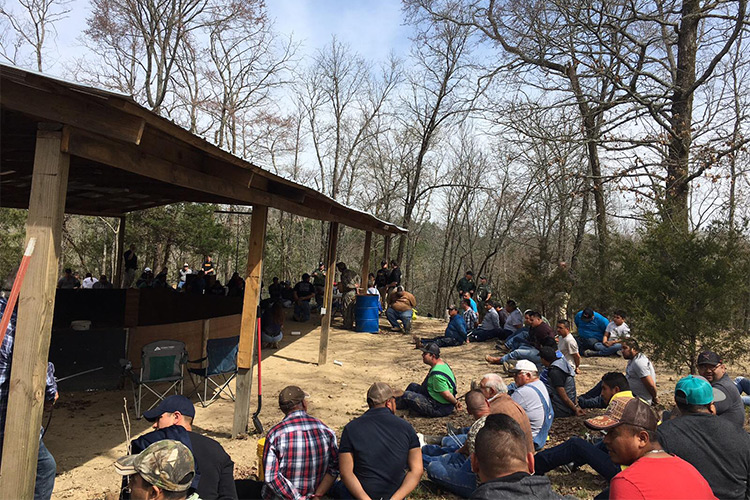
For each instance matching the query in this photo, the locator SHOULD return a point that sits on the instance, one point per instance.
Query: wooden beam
(34, 326)
(88, 114)
(366, 258)
(248, 332)
(117, 278)
(387, 248)
(325, 314)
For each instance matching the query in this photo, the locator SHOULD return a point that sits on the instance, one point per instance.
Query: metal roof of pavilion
(124, 157)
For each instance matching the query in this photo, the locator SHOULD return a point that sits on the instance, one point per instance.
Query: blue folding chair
(162, 361)
(220, 362)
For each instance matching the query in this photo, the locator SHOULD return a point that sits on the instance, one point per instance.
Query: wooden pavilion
(70, 148)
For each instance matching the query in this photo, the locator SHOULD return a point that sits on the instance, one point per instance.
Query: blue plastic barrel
(366, 313)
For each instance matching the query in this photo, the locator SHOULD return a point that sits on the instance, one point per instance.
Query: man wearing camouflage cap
(163, 471)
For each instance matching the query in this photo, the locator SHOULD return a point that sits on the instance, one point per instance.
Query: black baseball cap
(171, 404)
(431, 348)
(708, 358)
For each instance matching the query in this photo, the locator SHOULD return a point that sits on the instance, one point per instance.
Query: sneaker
(422, 442)
(569, 468)
(589, 353)
(509, 365)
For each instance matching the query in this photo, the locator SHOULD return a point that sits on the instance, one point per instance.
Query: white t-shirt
(568, 347)
(88, 282)
(617, 332)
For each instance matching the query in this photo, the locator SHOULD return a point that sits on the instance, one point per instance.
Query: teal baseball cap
(696, 390)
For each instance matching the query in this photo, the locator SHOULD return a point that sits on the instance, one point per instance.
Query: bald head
(501, 432)
(476, 404)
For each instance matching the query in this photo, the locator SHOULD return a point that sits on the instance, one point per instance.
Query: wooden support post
(49, 185)
(117, 278)
(366, 260)
(248, 333)
(325, 317)
(387, 248)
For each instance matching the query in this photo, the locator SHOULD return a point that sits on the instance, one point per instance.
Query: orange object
(16, 288)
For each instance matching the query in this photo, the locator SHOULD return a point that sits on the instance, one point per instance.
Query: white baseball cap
(524, 365)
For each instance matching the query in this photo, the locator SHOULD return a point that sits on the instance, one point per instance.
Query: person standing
(89, 281)
(131, 267)
(208, 266)
(348, 286)
(483, 294)
(394, 278)
(380, 456)
(300, 458)
(466, 284)
(381, 282)
(319, 282)
(68, 280)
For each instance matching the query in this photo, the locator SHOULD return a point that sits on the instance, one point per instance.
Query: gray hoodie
(516, 486)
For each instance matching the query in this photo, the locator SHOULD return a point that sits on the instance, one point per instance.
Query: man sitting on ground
(612, 383)
(591, 326)
(532, 396)
(639, 371)
(490, 327)
(162, 471)
(514, 321)
(455, 332)
(304, 291)
(436, 396)
(616, 330)
(401, 306)
(379, 455)
(652, 473)
(561, 384)
(507, 474)
(173, 419)
(470, 317)
(576, 452)
(540, 334)
(715, 446)
(712, 369)
(300, 458)
(567, 345)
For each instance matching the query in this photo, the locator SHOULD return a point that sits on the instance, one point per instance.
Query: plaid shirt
(299, 451)
(6, 356)
(471, 319)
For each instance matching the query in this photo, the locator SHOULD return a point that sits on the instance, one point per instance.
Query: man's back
(732, 408)
(502, 403)
(491, 320)
(530, 401)
(379, 443)
(216, 467)
(717, 448)
(299, 451)
(518, 485)
(637, 368)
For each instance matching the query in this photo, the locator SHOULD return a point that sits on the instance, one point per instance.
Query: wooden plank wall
(190, 332)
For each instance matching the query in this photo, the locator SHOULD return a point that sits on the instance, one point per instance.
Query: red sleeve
(622, 489)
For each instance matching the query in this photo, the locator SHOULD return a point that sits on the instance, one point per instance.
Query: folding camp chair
(162, 361)
(221, 362)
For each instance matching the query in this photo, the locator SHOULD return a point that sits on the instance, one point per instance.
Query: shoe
(396, 329)
(500, 346)
(589, 353)
(569, 468)
(509, 365)
(432, 439)
(450, 429)
(493, 360)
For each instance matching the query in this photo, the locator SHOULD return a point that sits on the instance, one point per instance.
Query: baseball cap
(146, 269)
(167, 464)
(291, 395)
(524, 365)
(431, 348)
(588, 313)
(452, 306)
(624, 410)
(708, 358)
(380, 392)
(171, 404)
(696, 390)
(185, 265)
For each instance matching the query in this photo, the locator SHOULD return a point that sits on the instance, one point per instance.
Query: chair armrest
(201, 360)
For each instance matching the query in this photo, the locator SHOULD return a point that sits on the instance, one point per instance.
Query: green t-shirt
(438, 383)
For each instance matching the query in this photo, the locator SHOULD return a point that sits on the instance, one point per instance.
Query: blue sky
(372, 28)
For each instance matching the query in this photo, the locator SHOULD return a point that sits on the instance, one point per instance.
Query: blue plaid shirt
(6, 356)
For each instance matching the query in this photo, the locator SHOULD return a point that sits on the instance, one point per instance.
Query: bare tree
(31, 25)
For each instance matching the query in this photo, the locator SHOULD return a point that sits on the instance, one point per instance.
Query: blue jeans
(523, 352)
(454, 475)
(481, 335)
(743, 385)
(432, 452)
(586, 344)
(519, 338)
(45, 473)
(592, 398)
(580, 452)
(393, 317)
(603, 350)
(271, 338)
(302, 310)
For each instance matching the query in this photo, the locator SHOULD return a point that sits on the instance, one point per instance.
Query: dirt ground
(86, 434)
